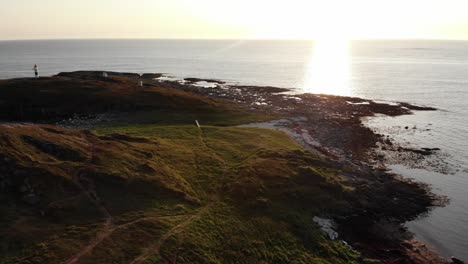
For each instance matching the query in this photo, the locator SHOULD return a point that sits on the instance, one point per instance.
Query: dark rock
(457, 261)
(431, 149)
(151, 75)
(423, 151)
(194, 80)
(418, 108)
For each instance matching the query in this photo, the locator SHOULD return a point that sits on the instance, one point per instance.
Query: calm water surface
(431, 73)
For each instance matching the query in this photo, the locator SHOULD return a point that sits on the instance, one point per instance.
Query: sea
(424, 72)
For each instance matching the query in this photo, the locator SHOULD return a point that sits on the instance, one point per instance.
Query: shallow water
(445, 228)
(431, 73)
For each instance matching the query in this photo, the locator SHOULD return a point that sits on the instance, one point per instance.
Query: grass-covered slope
(159, 194)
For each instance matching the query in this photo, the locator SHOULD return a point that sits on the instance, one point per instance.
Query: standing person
(36, 72)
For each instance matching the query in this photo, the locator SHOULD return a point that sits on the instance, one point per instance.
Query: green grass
(253, 191)
(207, 117)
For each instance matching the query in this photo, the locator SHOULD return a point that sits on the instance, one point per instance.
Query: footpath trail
(86, 184)
(155, 248)
(107, 232)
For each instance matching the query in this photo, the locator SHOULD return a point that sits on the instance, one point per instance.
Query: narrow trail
(155, 248)
(203, 140)
(106, 232)
(103, 233)
(225, 167)
(86, 184)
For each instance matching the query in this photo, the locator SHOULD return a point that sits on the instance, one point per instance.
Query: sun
(329, 68)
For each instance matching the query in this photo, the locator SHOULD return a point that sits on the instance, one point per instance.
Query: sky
(234, 19)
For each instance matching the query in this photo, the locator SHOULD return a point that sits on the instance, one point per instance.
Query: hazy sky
(45, 19)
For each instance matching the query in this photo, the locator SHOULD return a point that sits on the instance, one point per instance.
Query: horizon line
(232, 39)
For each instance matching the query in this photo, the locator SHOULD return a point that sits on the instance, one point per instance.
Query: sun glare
(329, 69)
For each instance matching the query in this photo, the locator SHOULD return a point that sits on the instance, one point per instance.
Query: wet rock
(457, 261)
(194, 80)
(151, 75)
(423, 151)
(431, 149)
(416, 107)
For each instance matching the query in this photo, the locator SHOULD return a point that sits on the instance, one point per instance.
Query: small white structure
(141, 83)
(105, 75)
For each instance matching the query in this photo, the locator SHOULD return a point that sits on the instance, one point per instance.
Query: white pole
(198, 124)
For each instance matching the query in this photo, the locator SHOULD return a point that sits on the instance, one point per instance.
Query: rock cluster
(14, 179)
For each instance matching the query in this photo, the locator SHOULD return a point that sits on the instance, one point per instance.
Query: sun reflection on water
(328, 71)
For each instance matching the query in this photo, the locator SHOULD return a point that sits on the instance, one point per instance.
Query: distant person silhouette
(36, 72)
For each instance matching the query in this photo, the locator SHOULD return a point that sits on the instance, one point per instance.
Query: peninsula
(129, 168)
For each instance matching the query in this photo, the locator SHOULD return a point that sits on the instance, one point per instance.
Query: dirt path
(203, 137)
(86, 184)
(103, 233)
(106, 232)
(154, 249)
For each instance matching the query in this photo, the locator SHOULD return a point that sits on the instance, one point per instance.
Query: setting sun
(328, 71)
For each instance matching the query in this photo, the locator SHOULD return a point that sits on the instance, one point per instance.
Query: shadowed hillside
(85, 94)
